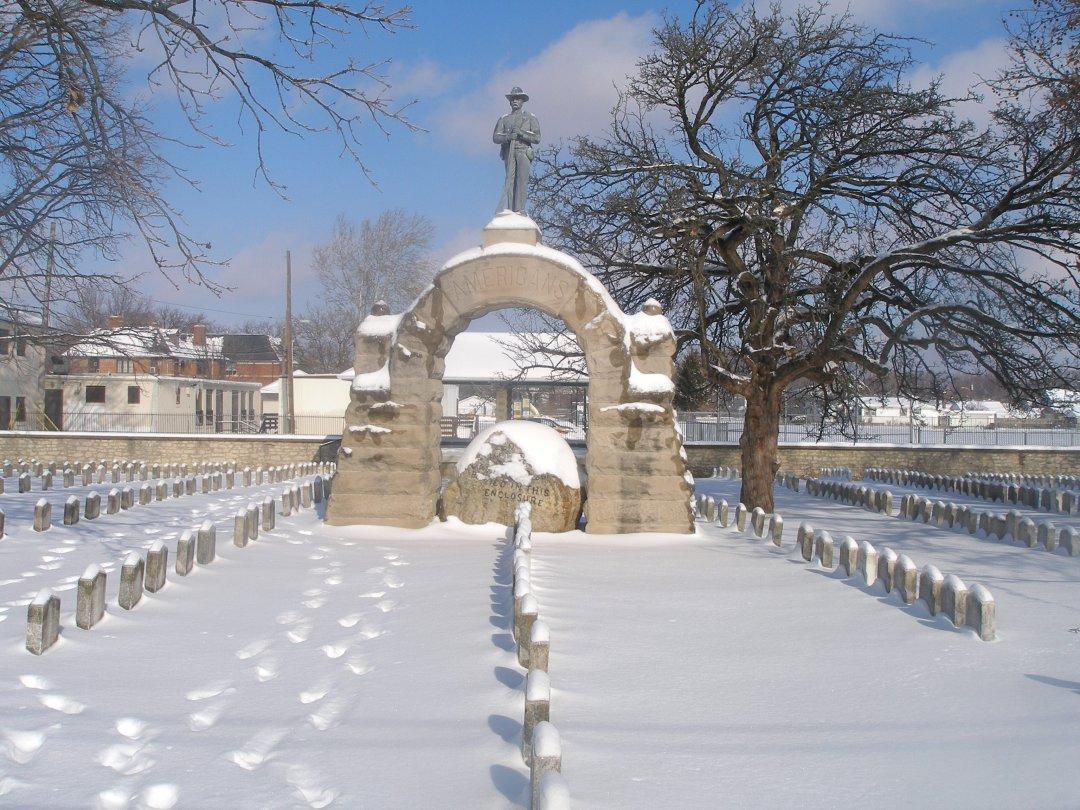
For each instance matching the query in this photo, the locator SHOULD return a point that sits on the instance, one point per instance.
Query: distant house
(151, 379)
(248, 357)
(897, 411)
(23, 362)
(976, 413)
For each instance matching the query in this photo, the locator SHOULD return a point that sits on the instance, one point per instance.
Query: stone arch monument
(389, 461)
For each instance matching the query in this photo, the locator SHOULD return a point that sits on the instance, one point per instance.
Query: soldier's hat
(517, 92)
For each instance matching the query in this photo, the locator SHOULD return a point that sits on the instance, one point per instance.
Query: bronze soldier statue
(516, 132)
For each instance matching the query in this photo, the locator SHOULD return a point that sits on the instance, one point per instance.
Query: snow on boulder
(510, 463)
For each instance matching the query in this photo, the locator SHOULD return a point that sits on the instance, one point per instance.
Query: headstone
(90, 598)
(131, 580)
(93, 506)
(240, 529)
(286, 503)
(849, 555)
(981, 612)
(189, 485)
(526, 618)
(127, 498)
(757, 521)
(776, 529)
(177, 488)
(1047, 536)
(206, 548)
(954, 599)
(157, 562)
(724, 514)
(317, 489)
(546, 757)
(46, 481)
(42, 515)
(740, 517)
(511, 462)
(268, 517)
(805, 541)
(537, 708)
(69, 478)
(1026, 532)
(71, 511)
(253, 521)
(24, 482)
(161, 491)
(906, 579)
(930, 581)
(823, 548)
(886, 568)
(539, 645)
(185, 554)
(42, 622)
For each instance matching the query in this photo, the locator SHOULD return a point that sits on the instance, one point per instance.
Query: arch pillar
(389, 462)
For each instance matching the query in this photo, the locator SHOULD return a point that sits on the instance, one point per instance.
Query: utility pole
(50, 267)
(287, 413)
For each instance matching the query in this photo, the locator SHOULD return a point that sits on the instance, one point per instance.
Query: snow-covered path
(354, 667)
(715, 670)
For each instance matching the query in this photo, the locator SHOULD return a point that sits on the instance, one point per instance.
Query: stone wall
(808, 459)
(253, 450)
(798, 459)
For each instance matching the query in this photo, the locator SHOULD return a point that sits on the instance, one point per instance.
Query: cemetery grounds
(375, 667)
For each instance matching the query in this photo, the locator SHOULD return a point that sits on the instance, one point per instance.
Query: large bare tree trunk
(761, 429)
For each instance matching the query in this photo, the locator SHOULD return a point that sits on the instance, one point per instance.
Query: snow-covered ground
(372, 667)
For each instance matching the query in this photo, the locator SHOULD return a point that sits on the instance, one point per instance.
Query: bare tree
(83, 167)
(387, 259)
(805, 214)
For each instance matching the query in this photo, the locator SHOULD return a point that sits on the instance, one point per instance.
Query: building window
(20, 409)
(95, 393)
(125, 366)
(5, 413)
(93, 364)
(134, 395)
(178, 395)
(198, 406)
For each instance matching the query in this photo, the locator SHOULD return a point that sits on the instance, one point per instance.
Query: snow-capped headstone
(512, 462)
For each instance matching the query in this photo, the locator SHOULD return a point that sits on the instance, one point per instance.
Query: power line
(209, 309)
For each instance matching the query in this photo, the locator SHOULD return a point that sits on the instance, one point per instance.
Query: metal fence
(697, 428)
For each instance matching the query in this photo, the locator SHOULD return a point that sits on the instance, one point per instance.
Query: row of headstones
(873, 500)
(1011, 525)
(89, 476)
(138, 575)
(731, 473)
(974, 607)
(792, 482)
(843, 473)
(1050, 498)
(117, 469)
(120, 499)
(541, 748)
(1050, 481)
(963, 606)
(707, 509)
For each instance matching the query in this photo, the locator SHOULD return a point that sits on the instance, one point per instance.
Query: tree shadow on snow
(1073, 686)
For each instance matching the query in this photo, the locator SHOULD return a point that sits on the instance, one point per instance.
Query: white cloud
(878, 12)
(968, 70)
(414, 81)
(572, 84)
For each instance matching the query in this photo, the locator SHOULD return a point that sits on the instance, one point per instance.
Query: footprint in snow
(289, 617)
(314, 694)
(392, 581)
(369, 632)
(349, 620)
(304, 532)
(333, 651)
(307, 787)
(299, 634)
(378, 569)
(327, 714)
(386, 605)
(252, 649)
(357, 666)
(112, 799)
(336, 579)
(316, 556)
(126, 759)
(34, 682)
(61, 550)
(22, 746)
(152, 530)
(391, 556)
(267, 669)
(257, 750)
(400, 562)
(206, 718)
(49, 566)
(59, 703)
(163, 796)
(210, 690)
(314, 603)
(131, 727)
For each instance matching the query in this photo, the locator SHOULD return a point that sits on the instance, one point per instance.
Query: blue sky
(457, 62)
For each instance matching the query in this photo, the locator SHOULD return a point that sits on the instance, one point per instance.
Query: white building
(977, 413)
(23, 361)
(155, 403)
(897, 411)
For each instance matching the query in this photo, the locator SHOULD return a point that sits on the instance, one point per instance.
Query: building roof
(499, 356)
(142, 341)
(246, 348)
